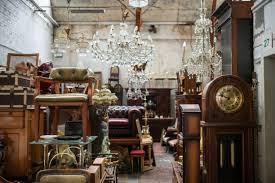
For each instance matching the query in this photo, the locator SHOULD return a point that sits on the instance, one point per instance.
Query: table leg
(81, 156)
(149, 154)
(45, 154)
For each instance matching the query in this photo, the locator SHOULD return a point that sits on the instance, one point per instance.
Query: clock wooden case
(228, 131)
(234, 27)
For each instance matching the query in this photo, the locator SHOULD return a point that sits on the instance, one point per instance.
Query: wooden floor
(162, 173)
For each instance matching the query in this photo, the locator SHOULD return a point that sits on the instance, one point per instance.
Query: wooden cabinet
(16, 125)
(234, 27)
(160, 97)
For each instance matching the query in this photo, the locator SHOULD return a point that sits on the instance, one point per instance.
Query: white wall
(23, 31)
(264, 66)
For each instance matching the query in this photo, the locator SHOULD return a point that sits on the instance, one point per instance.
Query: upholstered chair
(58, 100)
(122, 120)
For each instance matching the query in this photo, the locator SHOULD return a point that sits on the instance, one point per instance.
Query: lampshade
(138, 3)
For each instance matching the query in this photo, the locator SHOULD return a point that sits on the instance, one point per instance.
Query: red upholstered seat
(138, 152)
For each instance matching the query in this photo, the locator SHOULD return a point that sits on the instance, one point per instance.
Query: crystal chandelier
(61, 43)
(204, 60)
(138, 3)
(82, 46)
(124, 49)
(136, 81)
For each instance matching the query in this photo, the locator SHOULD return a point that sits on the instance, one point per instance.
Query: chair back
(70, 74)
(63, 175)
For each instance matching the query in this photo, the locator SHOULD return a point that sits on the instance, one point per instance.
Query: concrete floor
(161, 173)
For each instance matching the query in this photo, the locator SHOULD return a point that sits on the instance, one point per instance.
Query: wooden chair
(57, 100)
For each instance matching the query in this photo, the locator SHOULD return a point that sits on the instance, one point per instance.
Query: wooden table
(157, 124)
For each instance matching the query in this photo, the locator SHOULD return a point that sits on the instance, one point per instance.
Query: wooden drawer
(11, 119)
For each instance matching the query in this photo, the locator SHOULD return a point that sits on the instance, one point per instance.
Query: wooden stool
(139, 153)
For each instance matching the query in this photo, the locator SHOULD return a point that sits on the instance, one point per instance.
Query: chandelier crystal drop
(123, 49)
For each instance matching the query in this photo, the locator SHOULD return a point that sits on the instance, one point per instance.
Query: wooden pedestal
(191, 116)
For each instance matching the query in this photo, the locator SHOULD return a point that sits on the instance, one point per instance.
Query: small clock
(229, 98)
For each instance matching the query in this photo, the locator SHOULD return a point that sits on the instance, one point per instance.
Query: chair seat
(68, 97)
(137, 152)
(118, 122)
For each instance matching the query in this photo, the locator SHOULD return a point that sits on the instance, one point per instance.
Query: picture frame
(15, 59)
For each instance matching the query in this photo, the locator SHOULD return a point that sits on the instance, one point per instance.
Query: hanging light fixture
(123, 49)
(138, 3)
(204, 60)
(82, 46)
(61, 43)
(137, 78)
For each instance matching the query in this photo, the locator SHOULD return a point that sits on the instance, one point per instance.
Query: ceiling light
(138, 3)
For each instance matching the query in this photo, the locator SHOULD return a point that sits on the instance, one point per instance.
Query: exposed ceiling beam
(188, 23)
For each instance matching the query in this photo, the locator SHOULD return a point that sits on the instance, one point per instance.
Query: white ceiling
(158, 11)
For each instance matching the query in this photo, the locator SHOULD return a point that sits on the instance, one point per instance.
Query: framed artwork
(98, 76)
(24, 63)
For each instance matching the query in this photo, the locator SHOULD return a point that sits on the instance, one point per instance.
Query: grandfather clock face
(229, 98)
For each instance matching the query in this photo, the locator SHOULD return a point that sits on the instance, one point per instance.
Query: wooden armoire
(229, 131)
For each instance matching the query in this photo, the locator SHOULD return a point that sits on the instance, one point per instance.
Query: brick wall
(24, 31)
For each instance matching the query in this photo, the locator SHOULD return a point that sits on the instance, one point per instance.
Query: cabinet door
(16, 156)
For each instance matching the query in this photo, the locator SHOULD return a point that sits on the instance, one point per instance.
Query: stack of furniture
(57, 100)
(17, 116)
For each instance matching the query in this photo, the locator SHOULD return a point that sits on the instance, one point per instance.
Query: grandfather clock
(228, 131)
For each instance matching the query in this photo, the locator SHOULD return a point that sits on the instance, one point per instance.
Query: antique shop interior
(137, 91)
